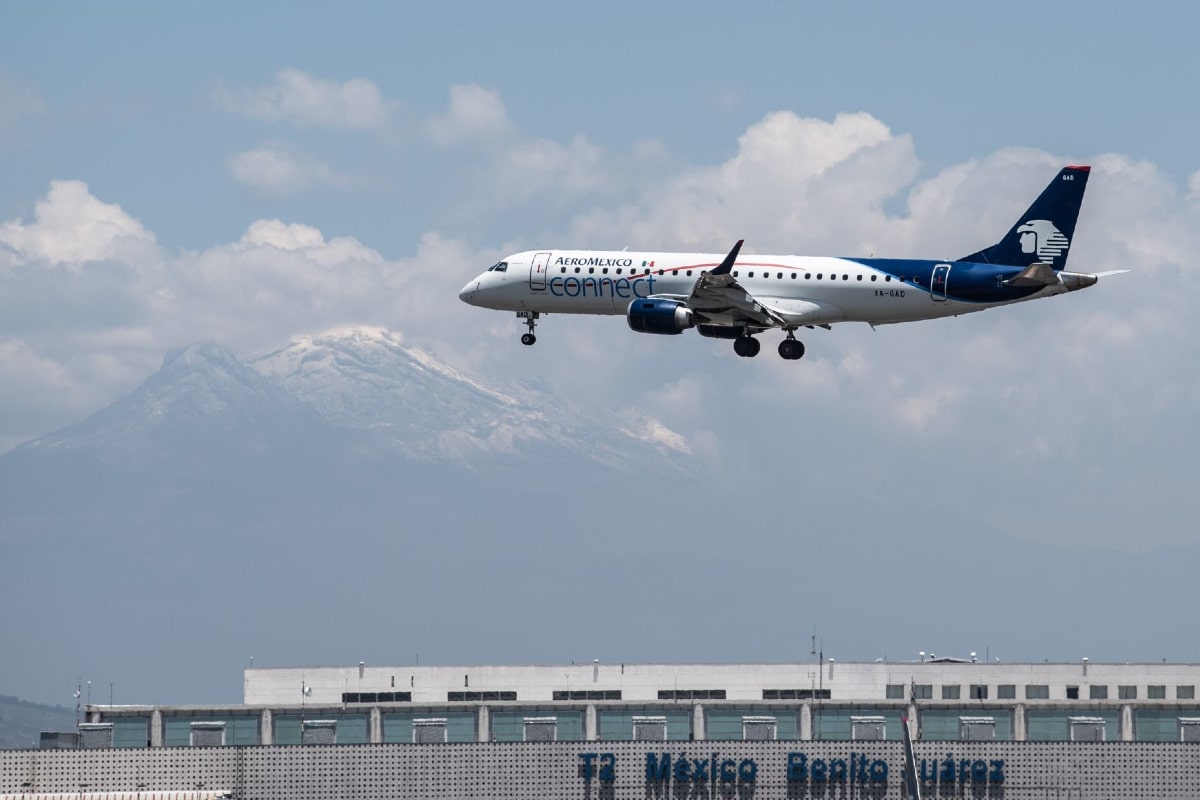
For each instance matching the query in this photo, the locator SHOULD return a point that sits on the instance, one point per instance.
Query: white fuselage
(819, 289)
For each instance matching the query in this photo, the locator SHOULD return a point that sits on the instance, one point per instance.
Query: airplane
(738, 297)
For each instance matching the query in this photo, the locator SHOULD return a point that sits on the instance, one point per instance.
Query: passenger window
(660, 272)
(807, 276)
(577, 270)
(564, 270)
(591, 270)
(605, 270)
(793, 276)
(689, 273)
(860, 277)
(887, 278)
(735, 273)
(818, 276)
(618, 270)
(780, 276)
(750, 274)
(845, 277)
(873, 277)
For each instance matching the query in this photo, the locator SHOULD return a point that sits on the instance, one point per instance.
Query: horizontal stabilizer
(1038, 274)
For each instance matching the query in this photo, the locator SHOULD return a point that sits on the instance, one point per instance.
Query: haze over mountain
(346, 497)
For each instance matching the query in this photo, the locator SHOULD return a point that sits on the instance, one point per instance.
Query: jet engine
(659, 316)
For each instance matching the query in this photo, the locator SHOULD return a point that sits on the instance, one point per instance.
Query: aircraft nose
(467, 294)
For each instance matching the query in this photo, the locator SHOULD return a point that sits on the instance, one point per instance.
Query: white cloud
(272, 169)
(73, 227)
(301, 99)
(474, 114)
(507, 168)
(787, 172)
(1079, 387)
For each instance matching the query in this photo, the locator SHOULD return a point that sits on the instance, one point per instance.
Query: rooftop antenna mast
(820, 686)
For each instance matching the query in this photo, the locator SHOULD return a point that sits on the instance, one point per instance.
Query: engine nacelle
(659, 316)
(721, 331)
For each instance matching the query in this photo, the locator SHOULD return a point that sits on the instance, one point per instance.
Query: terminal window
(895, 691)
(431, 730)
(478, 697)
(1185, 692)
(207, 734)
(691, 694)
(870, 729)
(376, 697)
(649, 729)
(1087, 729)
(318, 731)
(1037, 691)
(541, 729)
(977, 729)
(1006, 691)
(796, 694)
(951, 691)
(1127, 693)
(922, 691)
(979, 691)
(1072, 692)
(588, 694)
(1097, 692)
(1156, 692)
(758, 729)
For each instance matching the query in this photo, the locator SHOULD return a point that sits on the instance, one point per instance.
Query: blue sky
(127, 91)
(246, 173)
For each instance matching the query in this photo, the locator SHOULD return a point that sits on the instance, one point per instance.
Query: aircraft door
(537, 271)
(937, 282)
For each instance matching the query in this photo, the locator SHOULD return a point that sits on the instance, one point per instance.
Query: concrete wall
(559, 770)
(1048, 721)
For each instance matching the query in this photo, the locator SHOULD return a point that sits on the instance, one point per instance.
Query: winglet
(727, 264)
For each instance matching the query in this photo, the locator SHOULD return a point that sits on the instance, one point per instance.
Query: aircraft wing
(721, 300)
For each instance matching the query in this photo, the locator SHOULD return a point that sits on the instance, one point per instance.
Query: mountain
(366, 379)
(224, 503)
(202, 397)
(22, 723)
(348, 497)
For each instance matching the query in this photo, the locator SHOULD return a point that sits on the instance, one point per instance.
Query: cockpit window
(501, 267)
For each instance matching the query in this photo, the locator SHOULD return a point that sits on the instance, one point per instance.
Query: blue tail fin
(1044, 232)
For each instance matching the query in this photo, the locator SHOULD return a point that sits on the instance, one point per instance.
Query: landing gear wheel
(746, 346)
(531, 318)
(791, 349)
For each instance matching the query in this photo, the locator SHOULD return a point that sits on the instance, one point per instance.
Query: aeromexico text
(601, 286)
(859, 768)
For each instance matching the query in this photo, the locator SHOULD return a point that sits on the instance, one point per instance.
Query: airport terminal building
(829, 729)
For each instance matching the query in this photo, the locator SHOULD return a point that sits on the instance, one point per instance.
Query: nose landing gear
(531, 318)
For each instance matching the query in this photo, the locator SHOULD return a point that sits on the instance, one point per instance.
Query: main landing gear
(531, 318)
(746, 346)
(790, 349)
